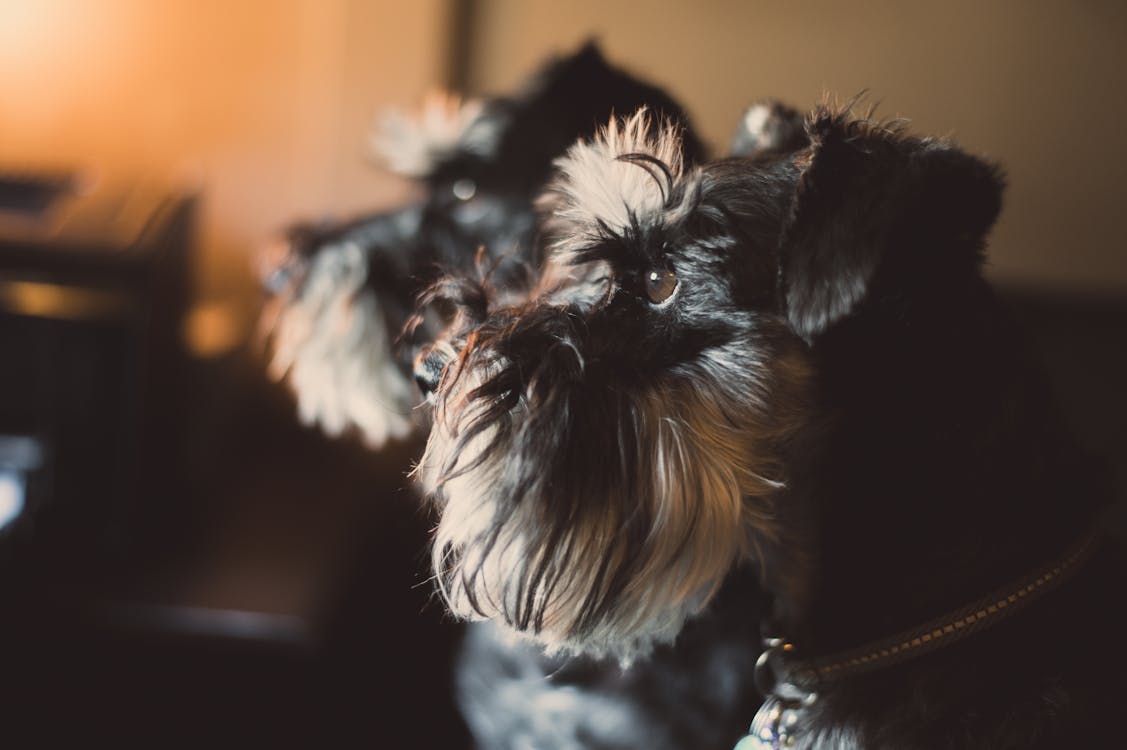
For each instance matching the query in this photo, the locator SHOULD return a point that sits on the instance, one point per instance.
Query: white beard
(332, 345)
(706, 486)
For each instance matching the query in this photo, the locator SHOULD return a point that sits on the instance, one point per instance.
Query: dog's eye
(660, 284)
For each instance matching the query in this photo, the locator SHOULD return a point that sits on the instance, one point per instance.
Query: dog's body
(698, 693)
(788, 361)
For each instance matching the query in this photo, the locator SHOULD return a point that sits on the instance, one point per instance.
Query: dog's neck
(933, 480)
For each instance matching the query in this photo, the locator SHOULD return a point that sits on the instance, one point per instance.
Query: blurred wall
(263, 105)
(1039, 86)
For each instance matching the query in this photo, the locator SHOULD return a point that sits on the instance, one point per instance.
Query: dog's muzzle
(428, 369)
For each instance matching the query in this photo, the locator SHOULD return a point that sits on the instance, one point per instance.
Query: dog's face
(607, 446)
(605, 449)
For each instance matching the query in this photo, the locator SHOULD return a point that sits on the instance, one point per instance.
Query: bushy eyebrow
(637, 244)
(661, 173)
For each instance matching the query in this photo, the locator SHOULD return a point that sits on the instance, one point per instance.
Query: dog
(342, 292)
(759, 426)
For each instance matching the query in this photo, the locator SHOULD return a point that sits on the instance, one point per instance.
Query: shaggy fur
(343, 292)
(830, 397)
(684, 427)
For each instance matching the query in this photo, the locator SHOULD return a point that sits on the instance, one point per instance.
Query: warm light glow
(59, 301)
(261, 108)
(25, 27)
(212, 330)
(58, 58)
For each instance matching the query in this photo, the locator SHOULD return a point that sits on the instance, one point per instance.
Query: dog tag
(778, 720)
(774, 726)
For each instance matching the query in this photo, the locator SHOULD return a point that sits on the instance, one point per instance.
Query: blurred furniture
(93, 286)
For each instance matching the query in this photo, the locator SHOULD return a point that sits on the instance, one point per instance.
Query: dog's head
(607, 447)
(342, 292)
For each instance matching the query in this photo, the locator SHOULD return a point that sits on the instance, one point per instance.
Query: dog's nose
(428, 370)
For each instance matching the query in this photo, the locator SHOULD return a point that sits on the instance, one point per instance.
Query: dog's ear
(768, 126)
(874, 207)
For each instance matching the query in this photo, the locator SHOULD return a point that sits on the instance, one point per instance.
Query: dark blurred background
(179, 560)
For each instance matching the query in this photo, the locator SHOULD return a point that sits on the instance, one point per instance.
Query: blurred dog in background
(342, 292)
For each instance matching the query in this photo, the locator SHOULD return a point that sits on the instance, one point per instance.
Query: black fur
(941, 469)
(698, 694)
(924, 463)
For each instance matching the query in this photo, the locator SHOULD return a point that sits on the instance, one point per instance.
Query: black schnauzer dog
(343, 292)
(769, 396)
